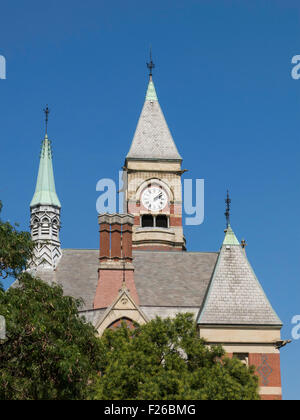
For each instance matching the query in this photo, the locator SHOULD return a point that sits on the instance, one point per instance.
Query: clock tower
(153, 193)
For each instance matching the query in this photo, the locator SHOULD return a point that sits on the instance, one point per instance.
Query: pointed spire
(45, 192)
(152, 139)
(235, 296)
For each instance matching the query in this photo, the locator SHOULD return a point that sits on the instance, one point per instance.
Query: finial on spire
(150, 65)
(47, 112)
(227, 211)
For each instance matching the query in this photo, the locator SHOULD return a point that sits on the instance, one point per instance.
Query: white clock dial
(154, 198)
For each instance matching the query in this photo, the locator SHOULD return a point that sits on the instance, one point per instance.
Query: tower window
(54, 227)
(35, 230)
(162, 221)
(147, 220)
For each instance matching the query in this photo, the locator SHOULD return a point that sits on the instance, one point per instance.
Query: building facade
(143, 269)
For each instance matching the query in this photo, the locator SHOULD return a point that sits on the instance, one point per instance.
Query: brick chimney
(115, 267)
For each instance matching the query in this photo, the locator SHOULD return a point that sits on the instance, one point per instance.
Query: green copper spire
(151, 92)
(45, 193)
(230, 238)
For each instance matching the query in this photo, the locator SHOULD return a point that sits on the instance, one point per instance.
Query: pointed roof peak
(230, 238)
(45, 192)
(151, 92)
(152, 139)
(235, 296)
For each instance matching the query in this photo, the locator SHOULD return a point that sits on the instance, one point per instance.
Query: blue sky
(223, 77)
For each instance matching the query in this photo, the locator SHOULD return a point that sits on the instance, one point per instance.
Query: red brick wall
(268, 371)
(271, 397)
(109, 284)
(175, 221)
(267, 368)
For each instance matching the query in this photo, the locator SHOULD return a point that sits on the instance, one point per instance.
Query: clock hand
(158, 196)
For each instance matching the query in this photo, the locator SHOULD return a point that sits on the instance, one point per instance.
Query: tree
(165, 359)
(50, 352)
(15, 250)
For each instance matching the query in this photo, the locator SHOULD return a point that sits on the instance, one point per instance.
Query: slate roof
(162, 278)
(173, 278)
(152, 139)
(221, 285)
(235, 296)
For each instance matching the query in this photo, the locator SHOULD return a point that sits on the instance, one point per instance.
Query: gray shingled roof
(152, 138)
(173, 278)
(77, 273)
(177, 279)
(223, 285)
(235, 296)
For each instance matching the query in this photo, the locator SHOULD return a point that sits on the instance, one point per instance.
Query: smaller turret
(45, 211)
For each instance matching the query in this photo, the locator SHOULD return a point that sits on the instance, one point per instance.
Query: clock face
(154, 198)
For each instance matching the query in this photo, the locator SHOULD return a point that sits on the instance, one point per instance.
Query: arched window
(147, 220)
(162, 221)
(117, 324)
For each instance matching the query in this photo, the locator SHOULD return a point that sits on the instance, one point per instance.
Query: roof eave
(129, 158)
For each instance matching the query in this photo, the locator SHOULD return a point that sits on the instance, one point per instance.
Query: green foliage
(15, 249)
(165, 359)
(50, 352)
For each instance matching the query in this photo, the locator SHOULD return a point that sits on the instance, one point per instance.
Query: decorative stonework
(124, 308)
(45, 227)
(264, 370)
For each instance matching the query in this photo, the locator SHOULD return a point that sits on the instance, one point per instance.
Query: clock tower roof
(152, 139)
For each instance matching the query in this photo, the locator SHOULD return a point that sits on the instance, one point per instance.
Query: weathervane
(227, 211)
(150, 65)
(47, 112)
